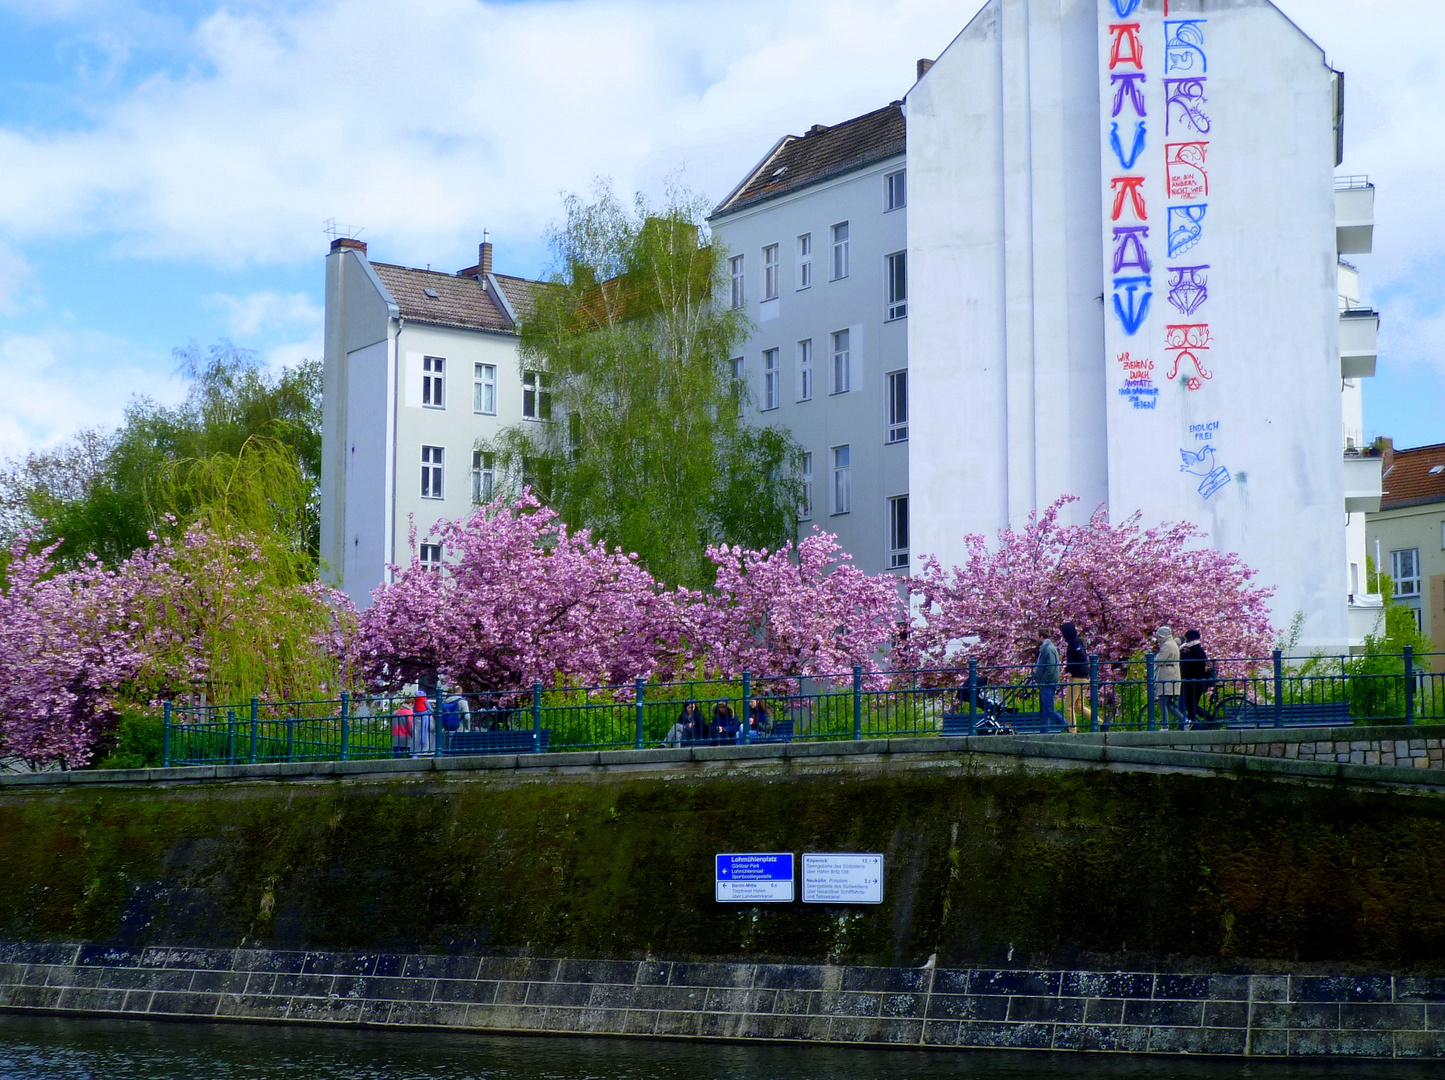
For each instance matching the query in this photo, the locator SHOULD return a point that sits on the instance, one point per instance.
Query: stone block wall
(1357, 749)
(1379, 1016)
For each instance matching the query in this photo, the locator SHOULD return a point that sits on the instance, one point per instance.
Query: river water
(52, 1048)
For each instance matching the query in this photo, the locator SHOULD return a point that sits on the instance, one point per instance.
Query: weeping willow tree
(643, 439)
(241, 614)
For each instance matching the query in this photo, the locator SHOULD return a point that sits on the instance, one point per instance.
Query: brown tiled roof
(820, 154)
(520, 293)
(460, 301)
(1409, 480)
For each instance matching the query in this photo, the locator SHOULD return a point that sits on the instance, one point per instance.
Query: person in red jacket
(401, 727)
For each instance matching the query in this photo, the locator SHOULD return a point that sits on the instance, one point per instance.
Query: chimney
(817, 129)
(484, 253)
(923, 66)
(346, 243)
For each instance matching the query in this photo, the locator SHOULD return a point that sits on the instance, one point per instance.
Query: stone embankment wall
(1141, 1012)
(1358, 747)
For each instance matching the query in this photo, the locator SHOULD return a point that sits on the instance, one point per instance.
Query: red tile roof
(460, 301)
(821, 154)
(1414, 476)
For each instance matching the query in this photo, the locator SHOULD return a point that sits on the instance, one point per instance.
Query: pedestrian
(1046, 675)
(1194, 674)
(760, 724)
(401, 728)
(1076, 676)
(701, 728)
(724, 723)
(1166, 676)
(681, 732)
(422, 741)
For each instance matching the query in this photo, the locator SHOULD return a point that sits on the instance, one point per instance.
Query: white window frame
(536, 396)
(897, 384)
(1406, 585)
(484, 389)
(740, 375)
(433, 472)
(895, 283)
(805, 261)
(772, 379)
(895, 190)
(737, 269)
(805, 370)
(898, 537)
(839, 264)
(805, 507)
(484, 476)
(430, 557)
(771, 272)
(433, 382)
(842, 370)
(841, 458)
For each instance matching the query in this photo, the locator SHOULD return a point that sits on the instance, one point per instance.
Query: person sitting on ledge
(724, 723)
(760, 724)
(684, 732)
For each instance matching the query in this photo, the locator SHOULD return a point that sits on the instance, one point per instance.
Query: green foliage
(646, 446)
(103, 493)
(139, 743)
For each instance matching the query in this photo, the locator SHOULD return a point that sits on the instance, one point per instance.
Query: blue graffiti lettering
(1134, 151)
(1131, 83)
(1184, 46)
(1125, 8)
(1134, 309)
(1186, 226)
(1213, 482)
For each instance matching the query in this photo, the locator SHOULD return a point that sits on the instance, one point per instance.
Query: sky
(167, 167)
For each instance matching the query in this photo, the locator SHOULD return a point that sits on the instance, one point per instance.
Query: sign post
(755, 878)
(842, 879)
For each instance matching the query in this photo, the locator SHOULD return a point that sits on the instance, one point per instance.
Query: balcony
(1354, 215)
(1359, 327)
(1364, 482)
(1366, 615)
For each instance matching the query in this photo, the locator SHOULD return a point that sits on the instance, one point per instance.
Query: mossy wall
(1071, 867)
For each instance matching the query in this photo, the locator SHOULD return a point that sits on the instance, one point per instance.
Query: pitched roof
(460, 301)
(820, 154)
(1414, 476)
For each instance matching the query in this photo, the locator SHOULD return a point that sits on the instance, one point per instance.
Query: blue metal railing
(858, 704)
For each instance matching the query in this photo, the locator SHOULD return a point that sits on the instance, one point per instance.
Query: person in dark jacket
(1194, 674)
(685, 731)
(1046, 677)
(1076, 677)
(759, 722)
(724, 723)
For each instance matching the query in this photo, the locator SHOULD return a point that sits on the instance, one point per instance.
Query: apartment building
(1407, 534)
(818, 245)
(419, 366)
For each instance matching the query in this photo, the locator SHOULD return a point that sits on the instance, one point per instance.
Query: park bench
(1023, 723)
(782, 732)
(1295, 714)
(524, 741)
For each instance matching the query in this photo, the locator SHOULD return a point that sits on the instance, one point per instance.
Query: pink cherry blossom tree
(522, 599)
(804, 610)
(1116, 582)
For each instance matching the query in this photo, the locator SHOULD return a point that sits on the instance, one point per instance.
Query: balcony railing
(1354, 215)
(1359, 329)
(1364, 482)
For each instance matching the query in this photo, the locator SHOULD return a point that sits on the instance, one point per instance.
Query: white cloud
(15, 278)
(58, 383)
(258, 312)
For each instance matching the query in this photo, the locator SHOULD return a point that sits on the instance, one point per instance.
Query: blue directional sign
(755, 878)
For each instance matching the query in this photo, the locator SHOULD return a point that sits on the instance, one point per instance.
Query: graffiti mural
(1184, 162)
(1138, 389)
(1188, 288)
(1131, 301)
(1184, 46)
(1186, 227)
(1186, 341)
(1136, 147)
(1129, 85)
(1131, 188)
(1183, 97)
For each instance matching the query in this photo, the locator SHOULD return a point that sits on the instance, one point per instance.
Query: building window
(898, 532)
(772, 392)
(805, 370)
(805, 507)
(1405, 569)
(739, 387)
(433, 382)
(840, 251)
(484, 476)
(897, 406)
(737, 273)
(842, 380)
(842, 485)
(805, 261)
(898, 285)
(431, 556)
(770, 272)
(896, 190)
(431, 472)
(484, 388)
(536, 398)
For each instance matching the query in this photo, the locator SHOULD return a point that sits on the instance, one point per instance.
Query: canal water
(52, 1048)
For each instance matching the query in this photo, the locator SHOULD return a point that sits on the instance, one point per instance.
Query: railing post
(1409, 684)
(255, 716)
(1094, 692)
(640, 691)
(973, 695)
(1278, 688)
(166, 735)
(536, 718)
(747, 715)
(345, 724)
(230, 736)
(1149, 689)
(290, 737)
(857, 701)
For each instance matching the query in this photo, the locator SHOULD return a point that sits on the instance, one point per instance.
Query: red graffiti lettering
(1127, 49)
(1128, 187)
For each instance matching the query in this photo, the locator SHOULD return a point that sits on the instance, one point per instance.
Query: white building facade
(419, 366)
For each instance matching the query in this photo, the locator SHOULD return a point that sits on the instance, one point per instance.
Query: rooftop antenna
(335, 231)
(486, 236)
